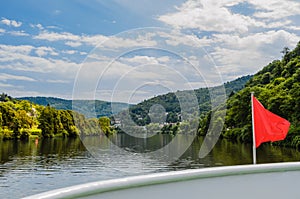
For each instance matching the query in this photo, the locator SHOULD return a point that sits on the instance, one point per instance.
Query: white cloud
(11, 22)
(73, 44)
(257, 40)
(53, 36)
(297, 28)
(244, 55)
(43, 51)
(19, 33)
(141, 60)
(215, 15)
(210, 15)
(69, 52)
(112, 42)
(58, 81)
(116, 42)
(2, 85)
(38, 26)
(176, 38)
(5, 77)
(83, 53)
(275, 9)
(2, 31)
(20, 58)
(52, 27)
(239, 43)
(94, 39)
(70, 39)
(22, 49)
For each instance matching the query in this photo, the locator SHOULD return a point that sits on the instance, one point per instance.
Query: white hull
(280, 180)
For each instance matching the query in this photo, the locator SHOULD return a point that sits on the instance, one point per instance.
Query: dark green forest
(277, 87)
(139, 112)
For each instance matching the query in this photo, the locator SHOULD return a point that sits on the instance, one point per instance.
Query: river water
(34, 166)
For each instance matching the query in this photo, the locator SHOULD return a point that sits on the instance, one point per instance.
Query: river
(34, 166)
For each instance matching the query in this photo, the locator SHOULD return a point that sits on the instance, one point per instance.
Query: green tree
(25, 120)
(105, 125)
(47, 123)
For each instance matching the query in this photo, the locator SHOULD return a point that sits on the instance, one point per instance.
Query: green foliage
(277, 87)
(7, 134)
(105, 125)
(47, 120)
(140, 112)
(20, 119)
(5, 98)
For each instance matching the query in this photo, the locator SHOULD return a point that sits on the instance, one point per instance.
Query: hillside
(102, 108)
(277, 87)
(139, 112)
(21, 119)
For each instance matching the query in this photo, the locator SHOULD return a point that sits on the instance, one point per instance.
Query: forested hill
(139, 112)
(21, 119)
(277, 87)
(102, 108)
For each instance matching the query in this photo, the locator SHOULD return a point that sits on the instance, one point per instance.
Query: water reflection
(34, 166)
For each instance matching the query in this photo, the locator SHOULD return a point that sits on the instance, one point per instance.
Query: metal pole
(253, 130)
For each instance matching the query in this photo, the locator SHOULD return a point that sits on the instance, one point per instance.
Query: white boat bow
(278, 180)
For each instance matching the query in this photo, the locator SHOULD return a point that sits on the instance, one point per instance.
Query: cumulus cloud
(21, 49)
(9, 22)
(43, 51)
(215, 15)
(209, 16)
(21, 58)
(239, 42)
(248, 54)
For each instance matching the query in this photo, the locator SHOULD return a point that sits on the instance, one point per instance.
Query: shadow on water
(61, 148)
(227, 153)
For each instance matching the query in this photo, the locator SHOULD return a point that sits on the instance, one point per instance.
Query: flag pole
(253, 130)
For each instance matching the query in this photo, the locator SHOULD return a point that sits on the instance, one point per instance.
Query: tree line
(21, 119)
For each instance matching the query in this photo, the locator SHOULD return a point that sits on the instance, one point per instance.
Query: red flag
(267, 125)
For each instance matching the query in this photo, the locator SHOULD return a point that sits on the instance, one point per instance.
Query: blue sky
(106, 48)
